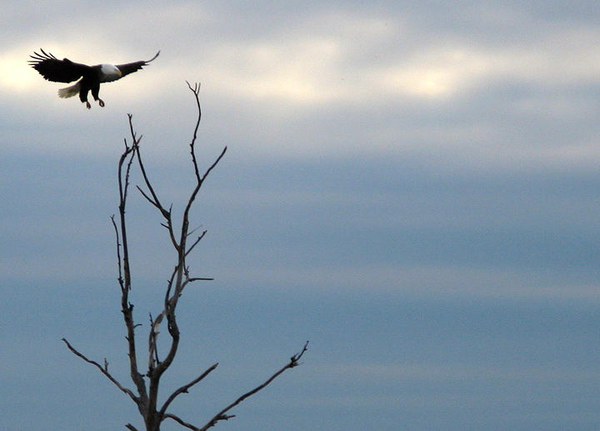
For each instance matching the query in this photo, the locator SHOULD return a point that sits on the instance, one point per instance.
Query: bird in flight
(65, 70)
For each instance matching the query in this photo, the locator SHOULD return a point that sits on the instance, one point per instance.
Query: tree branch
(126, 306)
(215, 163)
(181, 421)
(103, 370)
(184, 389)
(195, 243)
(294, 362)
(196, 91)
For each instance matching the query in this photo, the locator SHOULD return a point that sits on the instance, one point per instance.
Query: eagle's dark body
(65, 70)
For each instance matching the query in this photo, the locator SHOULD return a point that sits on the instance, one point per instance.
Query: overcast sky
(412, 186)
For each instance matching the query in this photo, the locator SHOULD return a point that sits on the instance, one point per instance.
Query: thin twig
(195, 243)
(119, 261)
(184, 389)
(103, 370)
(154, 201)
(294, 362)
(215, 163)
(196, 91)
(181, 421)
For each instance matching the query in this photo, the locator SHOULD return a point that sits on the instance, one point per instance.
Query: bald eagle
(65, 70)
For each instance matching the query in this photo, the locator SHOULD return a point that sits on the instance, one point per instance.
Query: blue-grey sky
(412, 186)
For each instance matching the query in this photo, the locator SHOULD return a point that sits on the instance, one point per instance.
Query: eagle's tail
(69, 91)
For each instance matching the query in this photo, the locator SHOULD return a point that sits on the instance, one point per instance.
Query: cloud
(404, 180)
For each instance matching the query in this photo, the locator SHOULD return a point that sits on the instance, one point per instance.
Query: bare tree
(183, 240)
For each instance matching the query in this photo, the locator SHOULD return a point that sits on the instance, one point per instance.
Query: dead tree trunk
(146, 383)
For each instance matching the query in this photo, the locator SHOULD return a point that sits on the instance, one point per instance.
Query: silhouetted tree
(146, 378)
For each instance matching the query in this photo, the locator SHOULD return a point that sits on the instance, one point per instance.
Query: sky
(412, 186)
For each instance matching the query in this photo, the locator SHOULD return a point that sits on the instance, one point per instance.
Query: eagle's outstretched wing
(53, 69)
(128, 68)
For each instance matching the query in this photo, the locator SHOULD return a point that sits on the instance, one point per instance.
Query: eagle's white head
(109, 72)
